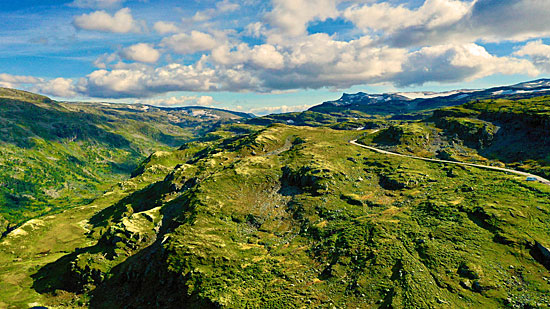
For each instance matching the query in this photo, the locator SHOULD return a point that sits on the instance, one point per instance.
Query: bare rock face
(543, 252)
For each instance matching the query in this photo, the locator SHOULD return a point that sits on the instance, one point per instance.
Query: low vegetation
(277, 215)
(58, 155)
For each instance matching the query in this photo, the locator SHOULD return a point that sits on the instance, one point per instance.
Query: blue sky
(267, 56)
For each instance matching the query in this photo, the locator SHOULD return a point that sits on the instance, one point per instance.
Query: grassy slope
(496, 132)
(46, 239)
(295, 216)
(55, 155)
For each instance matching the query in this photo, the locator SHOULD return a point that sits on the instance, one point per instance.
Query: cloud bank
(383, 42)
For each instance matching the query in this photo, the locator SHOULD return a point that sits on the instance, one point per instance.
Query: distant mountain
(210, 112)
(396, 103)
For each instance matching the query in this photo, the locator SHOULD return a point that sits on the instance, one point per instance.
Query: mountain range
(405, 102)
(397, 200)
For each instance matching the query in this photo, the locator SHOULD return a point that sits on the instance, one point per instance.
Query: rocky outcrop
(475, 133)
(543, 253)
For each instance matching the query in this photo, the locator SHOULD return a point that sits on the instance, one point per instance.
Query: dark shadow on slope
(541, 254)
(59, 276)
(141, 200)
(23, 120)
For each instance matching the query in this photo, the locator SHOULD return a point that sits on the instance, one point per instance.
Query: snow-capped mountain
(391, 103)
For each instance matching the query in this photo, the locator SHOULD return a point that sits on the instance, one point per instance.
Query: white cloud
(278, 109)
(96, 4)
(383, 16)
(222, 7)
(255, 30)
(454, 63)
(538, 52)
(224, 54)
(104, 60)
(439, 22)
(141, 52)
(59, 87)
(314, 61)
(143, 81)
(289, 18)
(201, 16)
(13, 81)
(181, 101)
(183, 43)
(399, 44)
(227, 6)
(267, 57)
(121, 22)
(163, 27)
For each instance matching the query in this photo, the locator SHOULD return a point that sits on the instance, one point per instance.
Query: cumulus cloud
(538, 52)
(278, 109)
(266, 56)
(289, 18)
(315, 61)
(59, 87)
(444, 21)
(141, 52)
(183, 43)
(384, 16)
(163, 27)
(13, 81)
(255, 30)
(222, 7)
(181, 101)
(121, 22)
(144, 81)
(453, 63)
(226, 6)
(436, 41)
(96, 4)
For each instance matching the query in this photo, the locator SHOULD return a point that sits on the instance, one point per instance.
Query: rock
(544, 252)
(477, 287)
(466, 284)
(469, 271)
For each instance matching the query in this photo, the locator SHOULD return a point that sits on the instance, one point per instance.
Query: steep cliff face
(476, 133)
(516, 132)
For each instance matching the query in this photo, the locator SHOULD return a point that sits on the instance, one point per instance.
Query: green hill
(282, 216)
(55, 154)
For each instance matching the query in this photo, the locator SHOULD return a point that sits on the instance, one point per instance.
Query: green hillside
(282, 216)
(56, 155)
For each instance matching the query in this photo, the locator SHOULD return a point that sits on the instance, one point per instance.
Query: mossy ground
(57, 155)
(286, 216)
(299, 217)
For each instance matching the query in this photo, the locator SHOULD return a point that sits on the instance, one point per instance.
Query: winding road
(501, 169)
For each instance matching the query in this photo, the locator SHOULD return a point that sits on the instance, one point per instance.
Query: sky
(267, 56)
